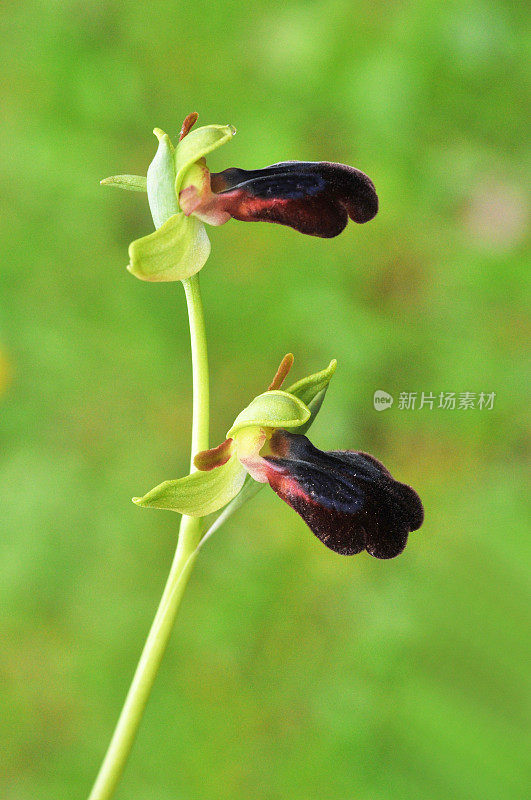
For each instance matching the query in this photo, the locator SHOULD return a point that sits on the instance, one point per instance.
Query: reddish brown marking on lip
(312, 216)
(188, 124)
(281, 373)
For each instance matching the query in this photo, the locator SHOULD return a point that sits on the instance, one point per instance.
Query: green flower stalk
(348, 499)
(167, 259)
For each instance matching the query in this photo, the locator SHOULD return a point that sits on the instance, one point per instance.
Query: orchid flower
(315, 198)
(348, 499)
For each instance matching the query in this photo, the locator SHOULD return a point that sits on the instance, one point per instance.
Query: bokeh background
(293, 673)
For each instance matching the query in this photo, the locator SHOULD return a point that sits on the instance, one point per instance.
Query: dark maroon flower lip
(348, 499)
(315, 198)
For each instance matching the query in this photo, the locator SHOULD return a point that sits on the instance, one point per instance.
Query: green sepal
(177, 250)
(312, 391)
(199, 493)
(274, 409)
(197, 144)
(307, 388)
(161, 181)
(133, 183)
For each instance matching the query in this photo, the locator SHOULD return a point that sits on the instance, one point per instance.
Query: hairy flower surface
(348, 499)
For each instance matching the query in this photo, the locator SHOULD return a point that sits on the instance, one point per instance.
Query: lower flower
(348, 499)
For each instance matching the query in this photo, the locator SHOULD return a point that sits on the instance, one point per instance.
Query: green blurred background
(293, 672)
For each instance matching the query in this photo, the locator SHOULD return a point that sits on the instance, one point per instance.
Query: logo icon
(382, 400)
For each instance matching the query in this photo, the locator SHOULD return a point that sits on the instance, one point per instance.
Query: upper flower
(316, 198)
(348, 499)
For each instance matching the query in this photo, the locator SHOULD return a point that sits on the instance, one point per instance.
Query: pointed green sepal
(197, 144)
(197, 494)
(133, 183)
(307, 388)
(177, 250)
(312, 391)
(274, 409)
(161, 181)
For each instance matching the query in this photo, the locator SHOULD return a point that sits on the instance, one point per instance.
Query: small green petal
(197, 144)
(312, 391)
(274, 409)
(197, 494)
(133, 183)
(161, 181)
(177, 250)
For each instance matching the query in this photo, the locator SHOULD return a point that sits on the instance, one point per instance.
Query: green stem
(201, 414)
(185, 556)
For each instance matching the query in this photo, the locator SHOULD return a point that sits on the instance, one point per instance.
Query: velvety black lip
(348, 499)
(315, 198)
